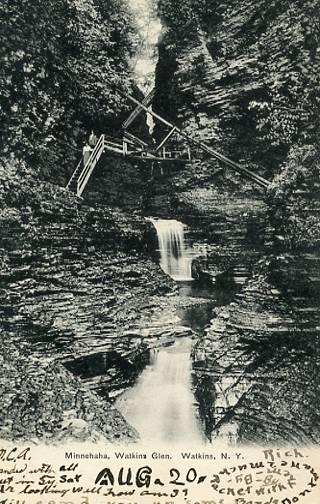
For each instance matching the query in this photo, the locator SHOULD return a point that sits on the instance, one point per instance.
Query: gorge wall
(244, 76)
(74, 282)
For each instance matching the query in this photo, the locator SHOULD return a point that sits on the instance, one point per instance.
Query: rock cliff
(244, 78)
(242, 75)
(74, 283)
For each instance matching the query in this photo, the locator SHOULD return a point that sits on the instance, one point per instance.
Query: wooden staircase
(72, 184)
(132, 147)
(129, 147)
(82, 174)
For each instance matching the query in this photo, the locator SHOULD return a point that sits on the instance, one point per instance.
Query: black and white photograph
(159, 251)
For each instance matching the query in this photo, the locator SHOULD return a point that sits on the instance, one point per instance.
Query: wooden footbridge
(132, 147)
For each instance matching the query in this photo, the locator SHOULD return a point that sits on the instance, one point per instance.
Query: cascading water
(175, 257)
(160, 406)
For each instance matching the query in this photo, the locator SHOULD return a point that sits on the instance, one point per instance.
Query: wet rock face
(41, 401)
(119, 182)
(230, 233)
(74, 283)
(257, 368)
(238, 75)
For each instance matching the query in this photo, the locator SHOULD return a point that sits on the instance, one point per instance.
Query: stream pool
(219, 384)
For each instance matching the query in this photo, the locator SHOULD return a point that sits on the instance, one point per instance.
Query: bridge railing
(182, 154)
(90, 165)
(113, 143)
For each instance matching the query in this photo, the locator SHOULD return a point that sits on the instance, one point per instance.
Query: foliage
(184, 18)
(289, 110)
(60, 60)
(294, 198)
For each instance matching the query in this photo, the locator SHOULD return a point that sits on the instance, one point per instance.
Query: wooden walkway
(132, 147)
(129, 149)
(126, 149)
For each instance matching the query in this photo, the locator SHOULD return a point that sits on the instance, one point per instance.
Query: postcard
(159, 252)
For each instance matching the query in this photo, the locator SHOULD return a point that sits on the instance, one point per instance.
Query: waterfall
(175, 258)
(161, 404)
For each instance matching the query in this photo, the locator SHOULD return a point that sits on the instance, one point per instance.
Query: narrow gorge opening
(145, 60)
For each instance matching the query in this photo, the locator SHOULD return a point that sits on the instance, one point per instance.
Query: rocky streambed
(255, 366)
(88, 318)
(82, 306)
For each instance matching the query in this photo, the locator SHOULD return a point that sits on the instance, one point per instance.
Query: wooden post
(146, 102)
